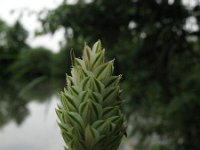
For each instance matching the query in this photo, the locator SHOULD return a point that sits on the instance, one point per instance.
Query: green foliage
(61, 58)
(158, 56)
(91, 109)
(32, 64)
(12, 42)
(15, 38)
(25, 73)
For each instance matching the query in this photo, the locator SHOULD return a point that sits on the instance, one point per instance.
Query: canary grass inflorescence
(90, 114)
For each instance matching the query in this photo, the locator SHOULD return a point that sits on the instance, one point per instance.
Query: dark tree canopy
(12, 42)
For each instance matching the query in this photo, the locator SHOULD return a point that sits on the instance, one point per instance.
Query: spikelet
(90, 115)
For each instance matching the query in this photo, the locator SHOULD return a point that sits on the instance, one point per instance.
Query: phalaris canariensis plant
(90, 114)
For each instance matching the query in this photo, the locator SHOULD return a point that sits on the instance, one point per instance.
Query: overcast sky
(30, 22)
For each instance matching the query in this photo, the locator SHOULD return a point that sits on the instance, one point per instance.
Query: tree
(22, 69)
(12, 42)
(32, 64)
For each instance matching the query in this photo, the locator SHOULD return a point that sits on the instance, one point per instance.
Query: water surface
(39, 131)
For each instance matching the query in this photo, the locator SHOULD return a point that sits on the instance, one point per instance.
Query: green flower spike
(90, 114)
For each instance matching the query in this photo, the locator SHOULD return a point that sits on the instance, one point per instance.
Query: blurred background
(156, 44)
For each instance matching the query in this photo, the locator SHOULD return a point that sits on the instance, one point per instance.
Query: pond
(38, 131)
(31, 124)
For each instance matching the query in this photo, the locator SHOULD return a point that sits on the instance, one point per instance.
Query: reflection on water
(27, 115)
(15, 97)
(39, 131)
(28, 118)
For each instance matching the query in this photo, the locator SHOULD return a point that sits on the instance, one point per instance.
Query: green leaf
(97, 47)
(73, 90)
(110, 111)
(60, 115)
(80, 63)
(69, 81)
(75, 120)
(71, 103)
(114, 142)
(63, 101)
(96, 97)
(87, 56)
(110, 96)
(112, 81)
(103, 126)
(67, 148)
(116, 119)
(98, 59)
(91, 136)
(97, 124)
(98, 86)
(86, 83)
(104, 70)
(76, 75)
(90, 111)
(67, 135)
(83, 96)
